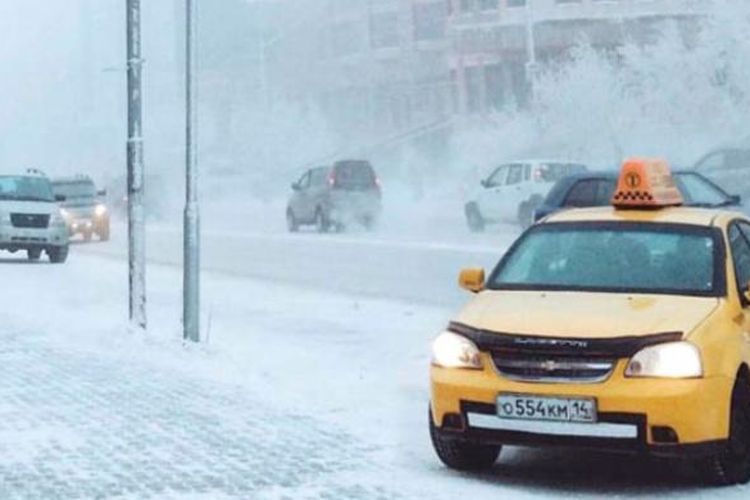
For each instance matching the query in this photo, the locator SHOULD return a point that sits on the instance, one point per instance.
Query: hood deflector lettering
(621, 347)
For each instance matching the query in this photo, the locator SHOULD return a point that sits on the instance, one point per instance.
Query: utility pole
(531, 66)
(136, 222)
(191, 237)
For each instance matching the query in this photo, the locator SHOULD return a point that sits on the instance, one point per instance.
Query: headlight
(671, 360)
(58, 218)
(450, 350)
(100, 210)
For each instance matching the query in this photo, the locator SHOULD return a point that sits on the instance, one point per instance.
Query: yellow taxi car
(623, 328)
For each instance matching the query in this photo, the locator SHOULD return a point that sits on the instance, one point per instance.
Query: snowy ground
(313, 383)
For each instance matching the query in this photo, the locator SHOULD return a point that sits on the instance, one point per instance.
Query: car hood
(585, 315)
(28, 207)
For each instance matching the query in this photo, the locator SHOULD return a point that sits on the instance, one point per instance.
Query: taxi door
(739, 242)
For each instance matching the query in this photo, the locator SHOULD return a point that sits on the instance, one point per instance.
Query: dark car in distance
(595, 189)
(84, 208)
(335, 197)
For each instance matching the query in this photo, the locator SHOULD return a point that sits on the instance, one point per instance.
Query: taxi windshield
(617, 257)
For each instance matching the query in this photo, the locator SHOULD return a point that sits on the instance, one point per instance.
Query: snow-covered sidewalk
(298, 394)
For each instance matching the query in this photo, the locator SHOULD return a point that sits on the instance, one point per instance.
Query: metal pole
(191, 243)
(136, 225)
(530, 49)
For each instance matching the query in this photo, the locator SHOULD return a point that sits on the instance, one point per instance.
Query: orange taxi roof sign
(646, 183)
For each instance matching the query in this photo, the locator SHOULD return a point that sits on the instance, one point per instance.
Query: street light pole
(191, 237)
(136, 222)
(531, 66)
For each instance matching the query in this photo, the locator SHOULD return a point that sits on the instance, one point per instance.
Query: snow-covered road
(313, 383)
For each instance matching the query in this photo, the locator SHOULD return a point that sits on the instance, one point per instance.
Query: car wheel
(474, 218)
(58, 255)
(34, 254)
(321, 223)
(732, 464)
(291, 221)
(460, 455)
(369, 223)
(525, 215)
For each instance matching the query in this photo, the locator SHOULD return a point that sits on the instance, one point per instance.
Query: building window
(488, 4)
(473, 76)
(384, 30)
(494, 83)
(516, 3)
(429, 20)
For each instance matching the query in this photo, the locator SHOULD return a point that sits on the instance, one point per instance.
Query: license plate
(557, 409)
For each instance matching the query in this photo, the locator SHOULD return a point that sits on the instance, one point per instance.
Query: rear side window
(354, 175)
(582, 194)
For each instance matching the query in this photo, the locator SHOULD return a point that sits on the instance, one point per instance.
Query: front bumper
(84, 224)
(632, 413)
(14, 238)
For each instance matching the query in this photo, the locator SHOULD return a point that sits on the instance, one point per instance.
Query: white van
(514, 190)
(30, 218)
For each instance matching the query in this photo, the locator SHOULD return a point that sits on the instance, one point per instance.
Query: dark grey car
(84, 208)
(334, 197)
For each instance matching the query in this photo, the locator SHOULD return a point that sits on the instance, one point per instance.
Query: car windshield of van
(617, 257)
(77, 189)
(25, 188)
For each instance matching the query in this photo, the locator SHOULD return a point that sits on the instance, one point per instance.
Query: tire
(526, 211)
(732, 465)
(525, 216)
(369, 223)
(462, 456)
(291, 221)
(474, 218)
(104, 233)
(34, 254)
(321, 222)
(58, 255)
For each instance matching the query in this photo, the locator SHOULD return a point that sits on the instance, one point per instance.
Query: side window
(304, 181)
(318, 177)
(604, 191)
(515, 174)
(498, 177)
(582, 194)
(740, 255)
(713, 161)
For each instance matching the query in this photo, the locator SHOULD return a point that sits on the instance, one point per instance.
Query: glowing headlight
(450, 350)
(100, 210)
(58, 218)
(671, 360)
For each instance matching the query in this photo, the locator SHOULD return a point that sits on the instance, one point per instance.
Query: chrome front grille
(526, 368)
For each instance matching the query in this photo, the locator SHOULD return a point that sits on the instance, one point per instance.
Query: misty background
(434, 93)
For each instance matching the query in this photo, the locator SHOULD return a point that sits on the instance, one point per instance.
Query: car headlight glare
(100, 210)
(670, 360)
(450, 350)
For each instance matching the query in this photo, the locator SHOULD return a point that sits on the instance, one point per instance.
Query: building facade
(495, 44)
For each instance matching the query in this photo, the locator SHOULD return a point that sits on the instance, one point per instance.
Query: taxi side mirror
(472, 279)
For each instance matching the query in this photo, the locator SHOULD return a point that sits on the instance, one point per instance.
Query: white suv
(514, 190)
(30, 218)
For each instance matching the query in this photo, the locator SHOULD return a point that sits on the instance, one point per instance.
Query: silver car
(335, 197)
(30, 218)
